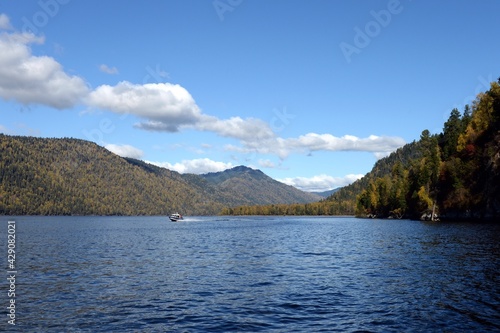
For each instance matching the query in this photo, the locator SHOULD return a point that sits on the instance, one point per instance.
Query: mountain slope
(69, 176)
(451, 175)
(456, 176)
(343, 201)
(254, 187)
(75, 177)
(326, 194)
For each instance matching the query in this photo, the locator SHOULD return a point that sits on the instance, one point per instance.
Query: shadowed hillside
(251, 185)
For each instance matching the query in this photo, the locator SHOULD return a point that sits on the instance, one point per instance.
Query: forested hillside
(69, 176)
(454, 174)
(457, 175)
(251, 186)
(76, 177)
(451, 175)
(343, 201)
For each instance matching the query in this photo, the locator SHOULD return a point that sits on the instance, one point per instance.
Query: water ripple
(116, 274)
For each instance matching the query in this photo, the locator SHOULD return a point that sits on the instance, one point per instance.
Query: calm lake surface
(252, 274)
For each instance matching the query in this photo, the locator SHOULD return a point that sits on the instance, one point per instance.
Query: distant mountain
(253, 187)
(41, 176)
(326, 194)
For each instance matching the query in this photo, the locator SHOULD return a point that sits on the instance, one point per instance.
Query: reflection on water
(210, 274)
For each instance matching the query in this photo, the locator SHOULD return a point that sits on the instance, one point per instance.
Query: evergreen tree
(467, 116)
(453, 127)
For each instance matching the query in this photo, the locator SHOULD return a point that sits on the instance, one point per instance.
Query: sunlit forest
(76, 177)
(451, 175)
(44, 176)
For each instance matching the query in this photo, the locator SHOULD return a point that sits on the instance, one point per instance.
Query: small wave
(316, 253)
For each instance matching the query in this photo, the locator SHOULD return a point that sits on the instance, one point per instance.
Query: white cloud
(30, 79)
(328, 142)
(248, 130)
(108, 70)
(169, 107)
(125, 150)
(166, 106)
(196, 166)
(320, 183)
(266, 163)
(380, 145)
(5, 22)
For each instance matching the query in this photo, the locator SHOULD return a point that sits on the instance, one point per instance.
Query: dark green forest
(451, 175)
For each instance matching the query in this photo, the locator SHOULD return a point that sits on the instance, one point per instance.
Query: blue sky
(310, 92)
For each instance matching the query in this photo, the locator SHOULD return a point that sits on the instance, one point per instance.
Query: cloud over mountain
(328, 142)
(165, 106)
(247, 130)
(196, 166)
(283, 147)
(321, 182)
(162, 107)
(125, 150)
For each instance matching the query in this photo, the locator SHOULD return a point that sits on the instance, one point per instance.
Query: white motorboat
(175, 217)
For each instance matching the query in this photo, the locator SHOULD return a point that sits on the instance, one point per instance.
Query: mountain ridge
(326, 194)
(66, 176)
(216, 177)
(250, 182)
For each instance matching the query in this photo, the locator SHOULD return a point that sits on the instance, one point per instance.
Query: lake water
(252, 274)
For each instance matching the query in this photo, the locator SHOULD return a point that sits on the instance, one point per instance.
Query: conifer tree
(451, 131)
